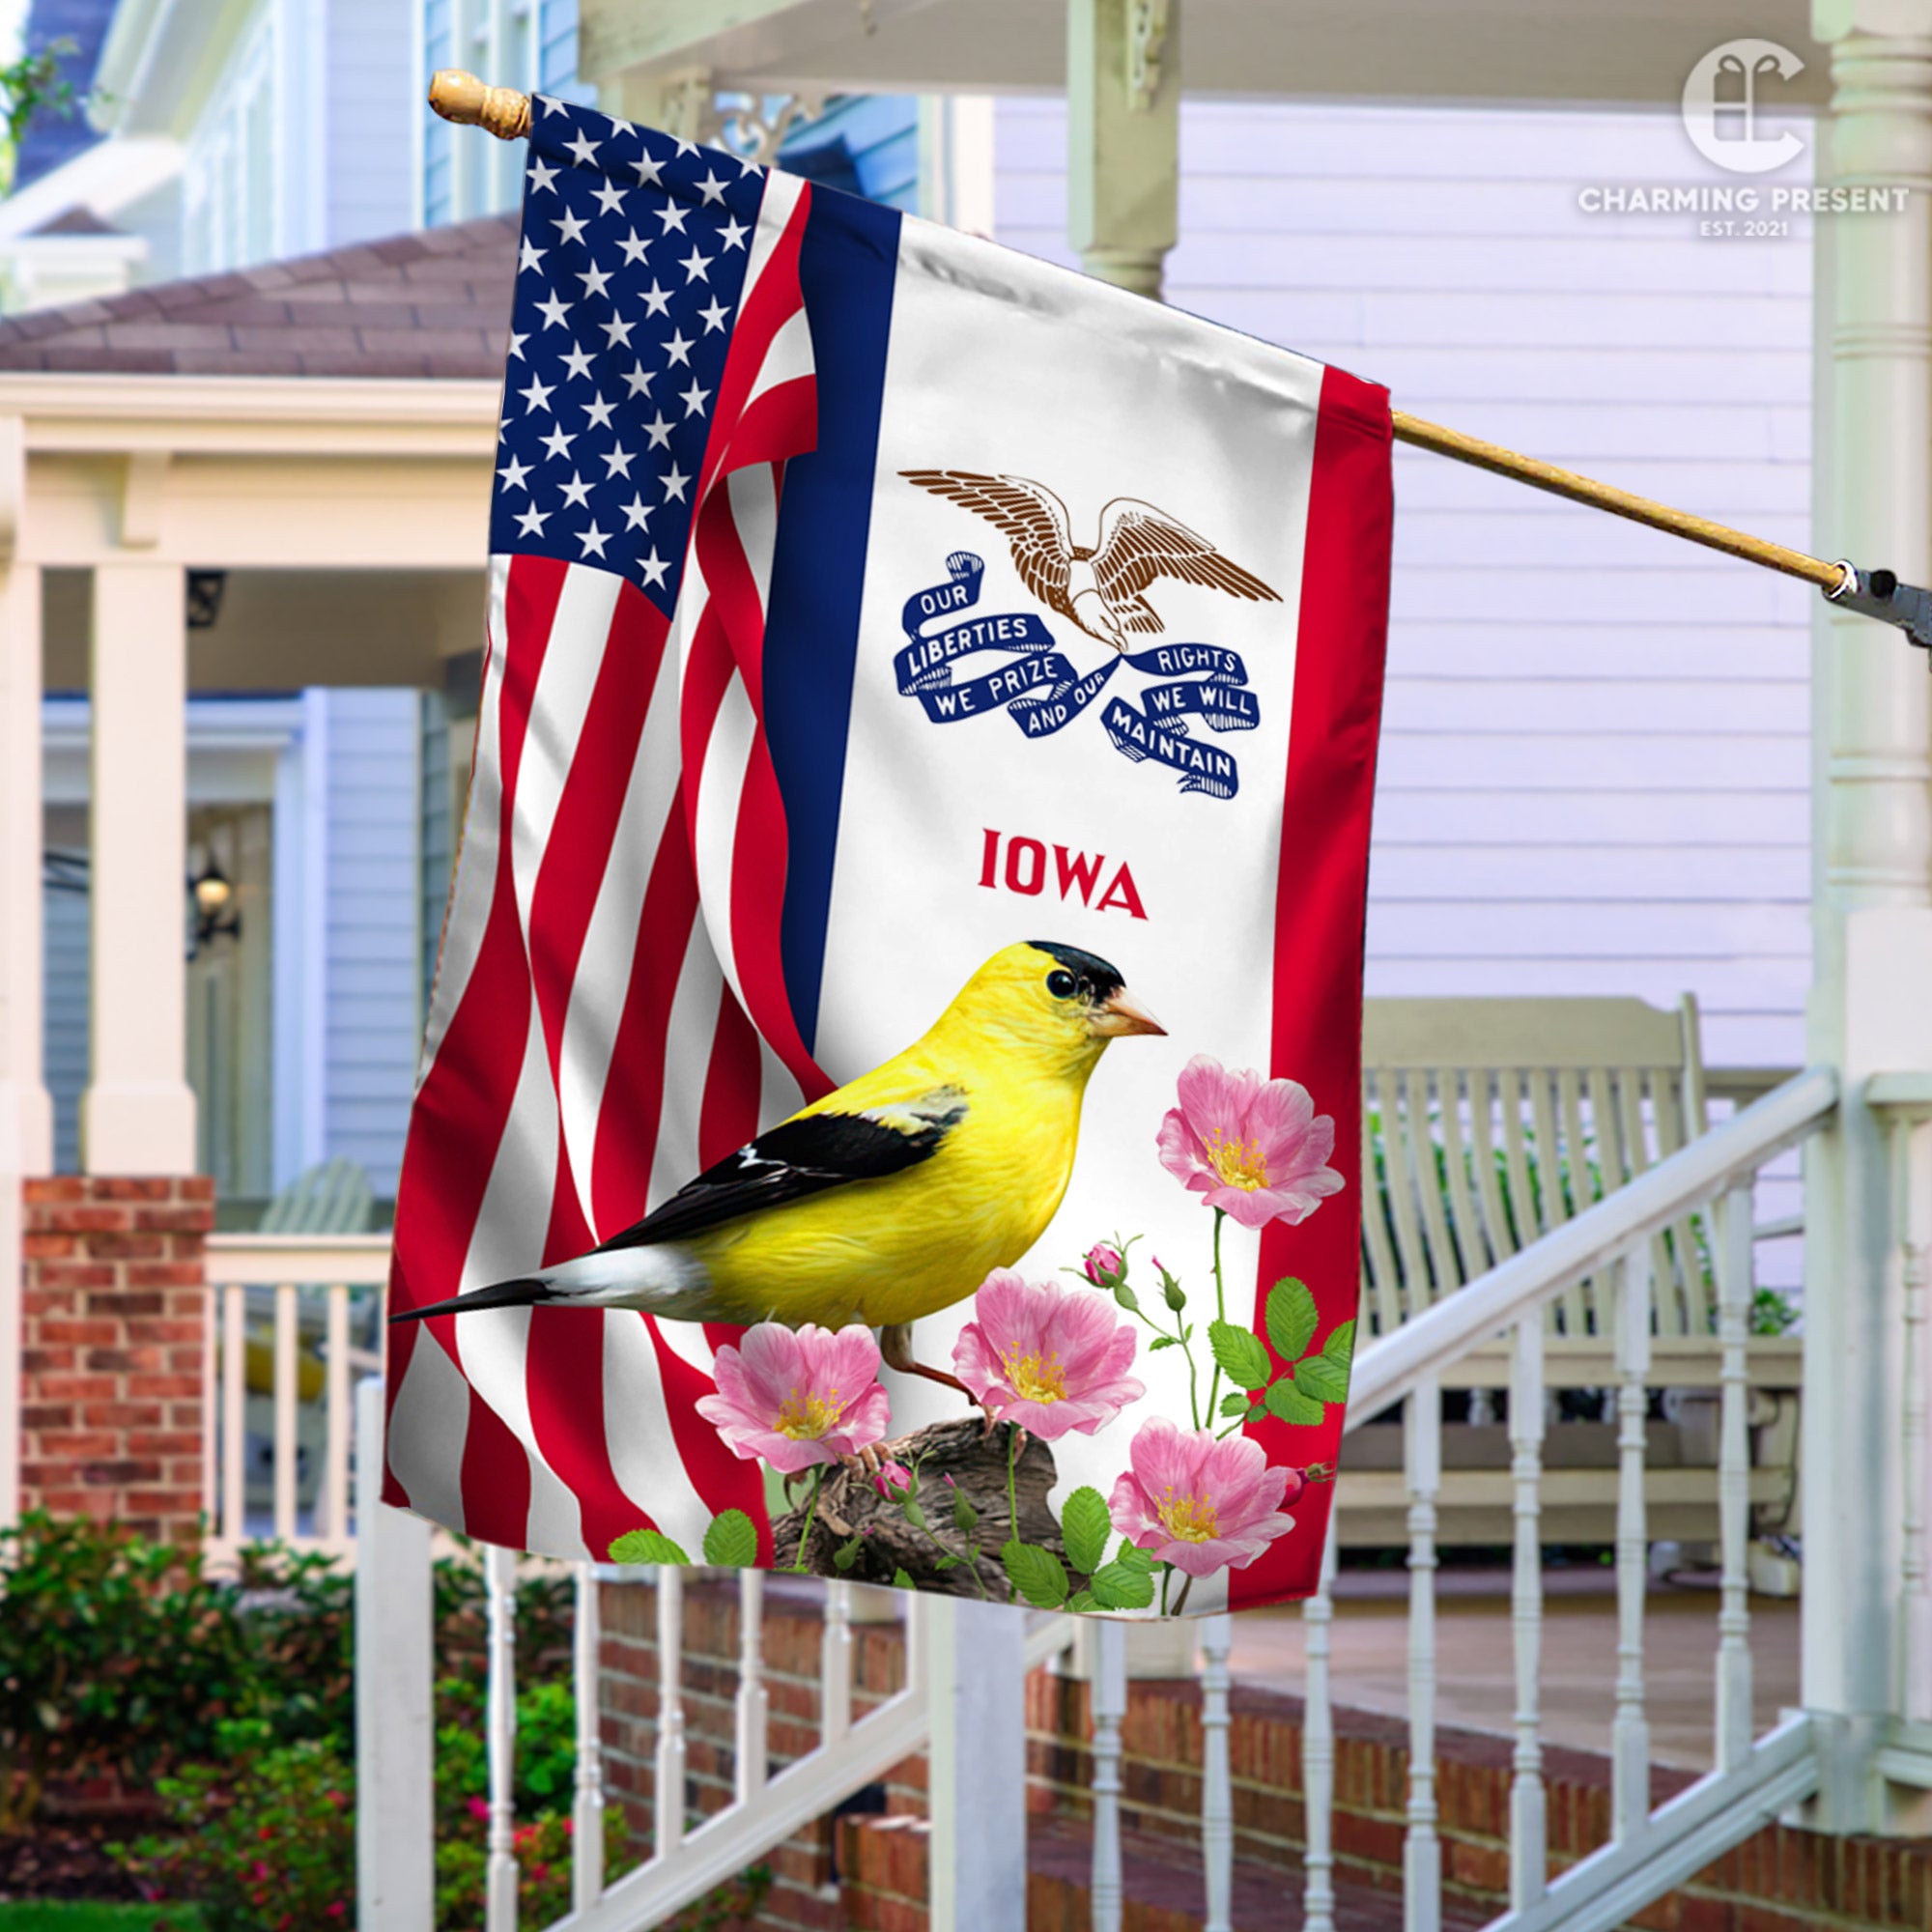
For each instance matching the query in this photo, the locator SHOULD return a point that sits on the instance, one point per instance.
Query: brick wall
(112, 1349)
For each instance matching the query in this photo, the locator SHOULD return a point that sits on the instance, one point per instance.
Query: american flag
(613, 932)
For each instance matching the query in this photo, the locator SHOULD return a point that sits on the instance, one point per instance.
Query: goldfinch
(892, 1197)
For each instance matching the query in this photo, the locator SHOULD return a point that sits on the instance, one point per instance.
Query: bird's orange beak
(1121, 1014)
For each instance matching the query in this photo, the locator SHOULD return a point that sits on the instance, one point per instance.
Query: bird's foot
(895, 1350)
(868, 1462)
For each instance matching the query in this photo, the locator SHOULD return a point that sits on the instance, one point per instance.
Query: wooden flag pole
(463, 99)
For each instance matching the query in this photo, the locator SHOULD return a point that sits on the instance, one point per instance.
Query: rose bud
(894, 1482)
(1105, 1267)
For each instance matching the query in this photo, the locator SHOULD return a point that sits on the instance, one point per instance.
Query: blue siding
(369, 121)
(866, 144)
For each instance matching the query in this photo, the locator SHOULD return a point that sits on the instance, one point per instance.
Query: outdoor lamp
(214, 905)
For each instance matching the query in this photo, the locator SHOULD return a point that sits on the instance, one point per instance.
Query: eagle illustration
(1099, 587)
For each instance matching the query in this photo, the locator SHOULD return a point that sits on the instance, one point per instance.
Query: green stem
(1193, 1380)
(1013, 1478)
(810, 1516)
(1181, 1601)
(1220, 1315)
(1166, 1577)
(971, 1559)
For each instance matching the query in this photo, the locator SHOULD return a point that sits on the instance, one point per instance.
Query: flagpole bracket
(1878, 593)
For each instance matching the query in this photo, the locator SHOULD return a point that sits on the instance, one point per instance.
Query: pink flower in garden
(1104, 1265)
(892, 1481)
(1199, 1504)
(1045, 1358)
(798, 1397)
(1255, 1148)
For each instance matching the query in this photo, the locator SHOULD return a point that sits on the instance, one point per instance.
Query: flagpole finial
(462, 97)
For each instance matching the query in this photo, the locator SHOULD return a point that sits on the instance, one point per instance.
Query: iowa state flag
(867, 602)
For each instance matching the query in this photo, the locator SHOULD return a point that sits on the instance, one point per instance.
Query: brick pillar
(113, 1350)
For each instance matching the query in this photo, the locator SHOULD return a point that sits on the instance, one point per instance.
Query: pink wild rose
(1045, 1358)
(1255, 1147)
(798, 1397)
(1199, 1504)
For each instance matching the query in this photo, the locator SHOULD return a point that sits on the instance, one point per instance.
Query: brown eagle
(1098, 588)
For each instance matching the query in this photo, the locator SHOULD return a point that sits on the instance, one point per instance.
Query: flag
(865, 598)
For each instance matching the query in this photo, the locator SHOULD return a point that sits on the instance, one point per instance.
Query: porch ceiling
(1636, 51)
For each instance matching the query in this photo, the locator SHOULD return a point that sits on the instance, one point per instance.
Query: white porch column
(977, 1765)
(1873, 872)
(137, 1114)
(1124, 135)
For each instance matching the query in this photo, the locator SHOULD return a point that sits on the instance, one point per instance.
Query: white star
(693, 399)
(673, 216)
(575, 492)
(530, 521)
(679, 347)
(597, 413)
(634, 249)
(610, 198)
(617, 463)
(696, 267)
(658, 432)
(531, 256)
(639, 380)
(513, 473)
(593, 539)
(674, 480)
(553, 311)
(634, 514)
(550, 104)
(557, 441)
(516, 343)
(595, 280)
(685, 147)
(648, 173)
(654, 568)
(617, 332)
(569, 227)
(734, 236)
(712, 189)
(584, 149)
(713, 316)
(537, 396)
(578, 362)
(623, 126)
(542, 177)
(746, 166)
(657, 301)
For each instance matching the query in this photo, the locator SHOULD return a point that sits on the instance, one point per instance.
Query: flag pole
(462, 97)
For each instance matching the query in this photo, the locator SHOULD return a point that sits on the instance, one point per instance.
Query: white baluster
(1317, 1751)
(835, 1665)
(1217, 1791)
(1913, 1140)
(1422, 1850)
(334, 1511)
(1110, 1709)
(586, 1811)
(669, 1775)
(287, 1337)
(1528, 1830)
(234, 1412)
(753, 1704)
(1733, 1658)
(1629, 1734)
(499, 1884)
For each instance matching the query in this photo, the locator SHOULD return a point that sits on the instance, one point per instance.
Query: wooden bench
(1485, 1124)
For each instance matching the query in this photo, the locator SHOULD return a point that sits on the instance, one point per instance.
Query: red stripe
(1321, 887)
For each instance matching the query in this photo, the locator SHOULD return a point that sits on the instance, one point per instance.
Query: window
(556, 46)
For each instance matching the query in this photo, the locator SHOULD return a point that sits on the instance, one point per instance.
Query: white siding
(373, 94)
(1594, 762)
(371, 971)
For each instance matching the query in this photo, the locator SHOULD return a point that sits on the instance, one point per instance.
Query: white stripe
(611, 939)
(781, 197)
(788, 358)
(780, 1096)
(579, 634)
(753, 496)
(688, 1341)
(507, 1241)
(473, 890)
(644, 1450)
(693, 1026)
(427, 1429)
(721, 786)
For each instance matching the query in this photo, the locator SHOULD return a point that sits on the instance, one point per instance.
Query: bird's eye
(1062, 984)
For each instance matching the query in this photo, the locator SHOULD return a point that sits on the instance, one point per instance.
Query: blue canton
(631, 265)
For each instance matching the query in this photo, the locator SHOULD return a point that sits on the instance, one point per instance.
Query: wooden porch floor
(1476, 1666)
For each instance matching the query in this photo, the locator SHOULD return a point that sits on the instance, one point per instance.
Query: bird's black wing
(799, 1157)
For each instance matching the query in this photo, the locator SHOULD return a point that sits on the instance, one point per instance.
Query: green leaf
(1036, 1573)
(1256, 1411)
(1160, 1341)
(1134, 1557)
(1322, 1378)
(1083, 1599)
(1122, 1586)
(1288, 1403)
(1240, 1354)
(1339, 1347)
(1084, 1524)
(901, 1582)
(1234, 1405)
(1292, 1318)
(947, 1562)
(646, 1546)
(731, 1542)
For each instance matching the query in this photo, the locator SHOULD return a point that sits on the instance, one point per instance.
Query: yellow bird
(892, 1197)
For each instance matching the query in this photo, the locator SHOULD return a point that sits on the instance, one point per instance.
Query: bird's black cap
(1098, 980)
